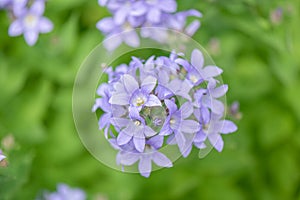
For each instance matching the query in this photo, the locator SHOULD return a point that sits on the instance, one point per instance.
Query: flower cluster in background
(162, 101)
(128, 15)
(64, 192)
(27, 19)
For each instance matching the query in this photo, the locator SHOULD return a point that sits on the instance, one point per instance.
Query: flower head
(30, 21)
(162, 105)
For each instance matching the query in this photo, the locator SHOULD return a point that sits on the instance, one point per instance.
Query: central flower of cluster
(162, 101)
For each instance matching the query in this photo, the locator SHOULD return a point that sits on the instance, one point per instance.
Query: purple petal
(121, 14)
(138, 9)
(111, 43)
(227, 127)
(126, 158)
(145, 166)
(149, 132)
(130, 83)
(123, 138)
(119, 122)
(166, 130)
(183, 63)
(154, 15)
(211, 71)
(161, 160)
(139, 141)
(189, 126)
(38, 7)
(217, 107)
(197, 59)
(106, 25)
(192, 28)
(186, 110)
(200, 137)
(31, 37)
(102, 2)
(219, 91)
(148, 84)
(163, 77)
(171, 106)
(168, 6)
(180, 140)
(45, 25)
(194, 13)
(171, 140)
(200, 145)
(119, 99)
(153, 101)
(156, 141)
(163, 92)
(104, 120)
(216, 140)
(16, 28)
(131, 38)
(187, 150)
(205, 115)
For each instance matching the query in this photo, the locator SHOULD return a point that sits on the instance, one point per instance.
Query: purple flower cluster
(131, 14)
(2, 157)
(64, 192)
(28, 19)
(161, 101)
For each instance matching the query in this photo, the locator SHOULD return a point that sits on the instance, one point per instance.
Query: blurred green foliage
(260, 54)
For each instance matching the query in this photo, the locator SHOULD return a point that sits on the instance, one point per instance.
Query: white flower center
(193, 78)
(137, 123)
(127, 26)
(31, 21)
(139, 101)
(172, 121)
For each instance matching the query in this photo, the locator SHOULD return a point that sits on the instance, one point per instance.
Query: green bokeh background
(261, 62)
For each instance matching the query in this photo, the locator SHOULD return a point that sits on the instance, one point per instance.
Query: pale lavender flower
(145, 159)
(156, 8)
(111, 29)
(129, 92)
(30, 22)
(179, 22)
(135, 129)
(2, 157)
(104, 91)
(64, 192)
(177, 123)
(213, 130)
(208, 98)
(196, 72)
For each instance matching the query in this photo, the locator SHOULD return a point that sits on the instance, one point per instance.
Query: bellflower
(128, 92)
(29, 21)
(213, 130)
(161, 105)
(2, 157)
(130, 14)
(177, 124)
(64, 192)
